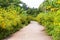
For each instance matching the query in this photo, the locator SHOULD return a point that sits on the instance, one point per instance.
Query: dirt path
(33, 31)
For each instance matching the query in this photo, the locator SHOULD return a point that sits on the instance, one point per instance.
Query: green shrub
(10, 21)
(51, 21)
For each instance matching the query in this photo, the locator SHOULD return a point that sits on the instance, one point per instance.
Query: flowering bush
(10, 21)
(51, 21)
(12, 18)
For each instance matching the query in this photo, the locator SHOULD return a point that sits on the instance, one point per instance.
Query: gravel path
(33, 31)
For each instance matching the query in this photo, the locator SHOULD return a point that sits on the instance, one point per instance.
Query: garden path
(33, 31)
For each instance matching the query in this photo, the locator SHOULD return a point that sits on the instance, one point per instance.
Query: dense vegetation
(50, 17)
(51, 21)
(13, 17)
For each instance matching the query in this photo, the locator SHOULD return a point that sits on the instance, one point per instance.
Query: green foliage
(32, 11)
(11, 20)
(51, 18)
(8, 2)
(24, 18)
(14, 7)
(51, 21)
(13, 17)
(50, 5)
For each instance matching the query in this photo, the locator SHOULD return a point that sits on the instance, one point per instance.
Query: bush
(24, 18)
(10, 21)
(51, 21)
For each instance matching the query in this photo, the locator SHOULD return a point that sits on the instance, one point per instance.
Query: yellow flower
(48, 7)
(1, 18)
(52, 9)
(14, 23)
(58, 2)
(59, 23)
(3, 24)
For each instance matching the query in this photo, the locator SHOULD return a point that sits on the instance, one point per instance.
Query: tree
(8, 2)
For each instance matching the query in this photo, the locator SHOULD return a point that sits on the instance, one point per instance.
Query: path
(33, 31)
